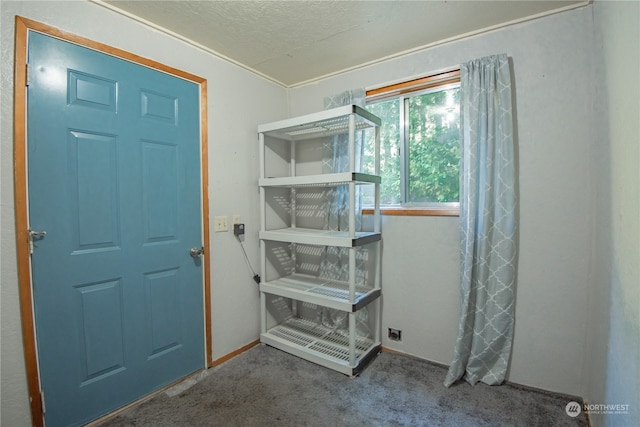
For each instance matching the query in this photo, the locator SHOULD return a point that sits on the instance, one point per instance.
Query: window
(419, 144)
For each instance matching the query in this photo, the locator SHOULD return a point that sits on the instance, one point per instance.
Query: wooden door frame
(23, 26)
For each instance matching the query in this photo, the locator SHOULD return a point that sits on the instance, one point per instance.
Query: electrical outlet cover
(395, 334)
(220, 224)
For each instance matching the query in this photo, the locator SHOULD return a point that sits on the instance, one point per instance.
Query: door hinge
(27, 75)
(39, 397)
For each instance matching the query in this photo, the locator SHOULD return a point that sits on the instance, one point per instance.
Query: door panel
(114, 180)
(93, 180)
(159, 191)
(163, 312)
(102, 332)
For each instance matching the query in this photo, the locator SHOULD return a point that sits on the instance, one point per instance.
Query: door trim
(22, 27)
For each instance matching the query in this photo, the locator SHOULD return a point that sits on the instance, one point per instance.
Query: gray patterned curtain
(335, 261)
(488, 223)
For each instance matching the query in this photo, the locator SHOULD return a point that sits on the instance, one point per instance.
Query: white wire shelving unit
(310, 339)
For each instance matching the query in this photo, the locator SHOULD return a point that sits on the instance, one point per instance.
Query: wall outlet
(235, 220)
(220, 224)
(395, 334)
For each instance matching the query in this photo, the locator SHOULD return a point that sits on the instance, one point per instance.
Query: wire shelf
(321, 291)
(319, 340)
(322, 124)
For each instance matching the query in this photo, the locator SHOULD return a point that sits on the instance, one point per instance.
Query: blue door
(115, 182)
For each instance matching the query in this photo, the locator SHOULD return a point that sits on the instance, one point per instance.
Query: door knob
(196, 252)
(35, 235)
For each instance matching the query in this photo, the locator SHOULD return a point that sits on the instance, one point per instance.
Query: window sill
(415, 211)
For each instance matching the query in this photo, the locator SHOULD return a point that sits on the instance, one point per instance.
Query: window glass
(389, 113)
(434, 146)
(419, 147)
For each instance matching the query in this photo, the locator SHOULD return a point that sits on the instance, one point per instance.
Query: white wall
(553, 67)
(238, 102)
(614, 369)
(571, 180)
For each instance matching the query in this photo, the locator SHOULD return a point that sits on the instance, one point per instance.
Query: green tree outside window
(426, 126)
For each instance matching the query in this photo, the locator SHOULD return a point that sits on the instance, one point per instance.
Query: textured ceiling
(292, 42)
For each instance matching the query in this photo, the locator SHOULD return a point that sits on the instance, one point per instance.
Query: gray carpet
(267, 387)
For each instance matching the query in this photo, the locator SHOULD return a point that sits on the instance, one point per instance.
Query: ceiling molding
(186, 40)
(314, 80)
(456, 38)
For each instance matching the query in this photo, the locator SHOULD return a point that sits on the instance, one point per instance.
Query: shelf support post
(292, 172)
(352, 275)
(352, 340)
